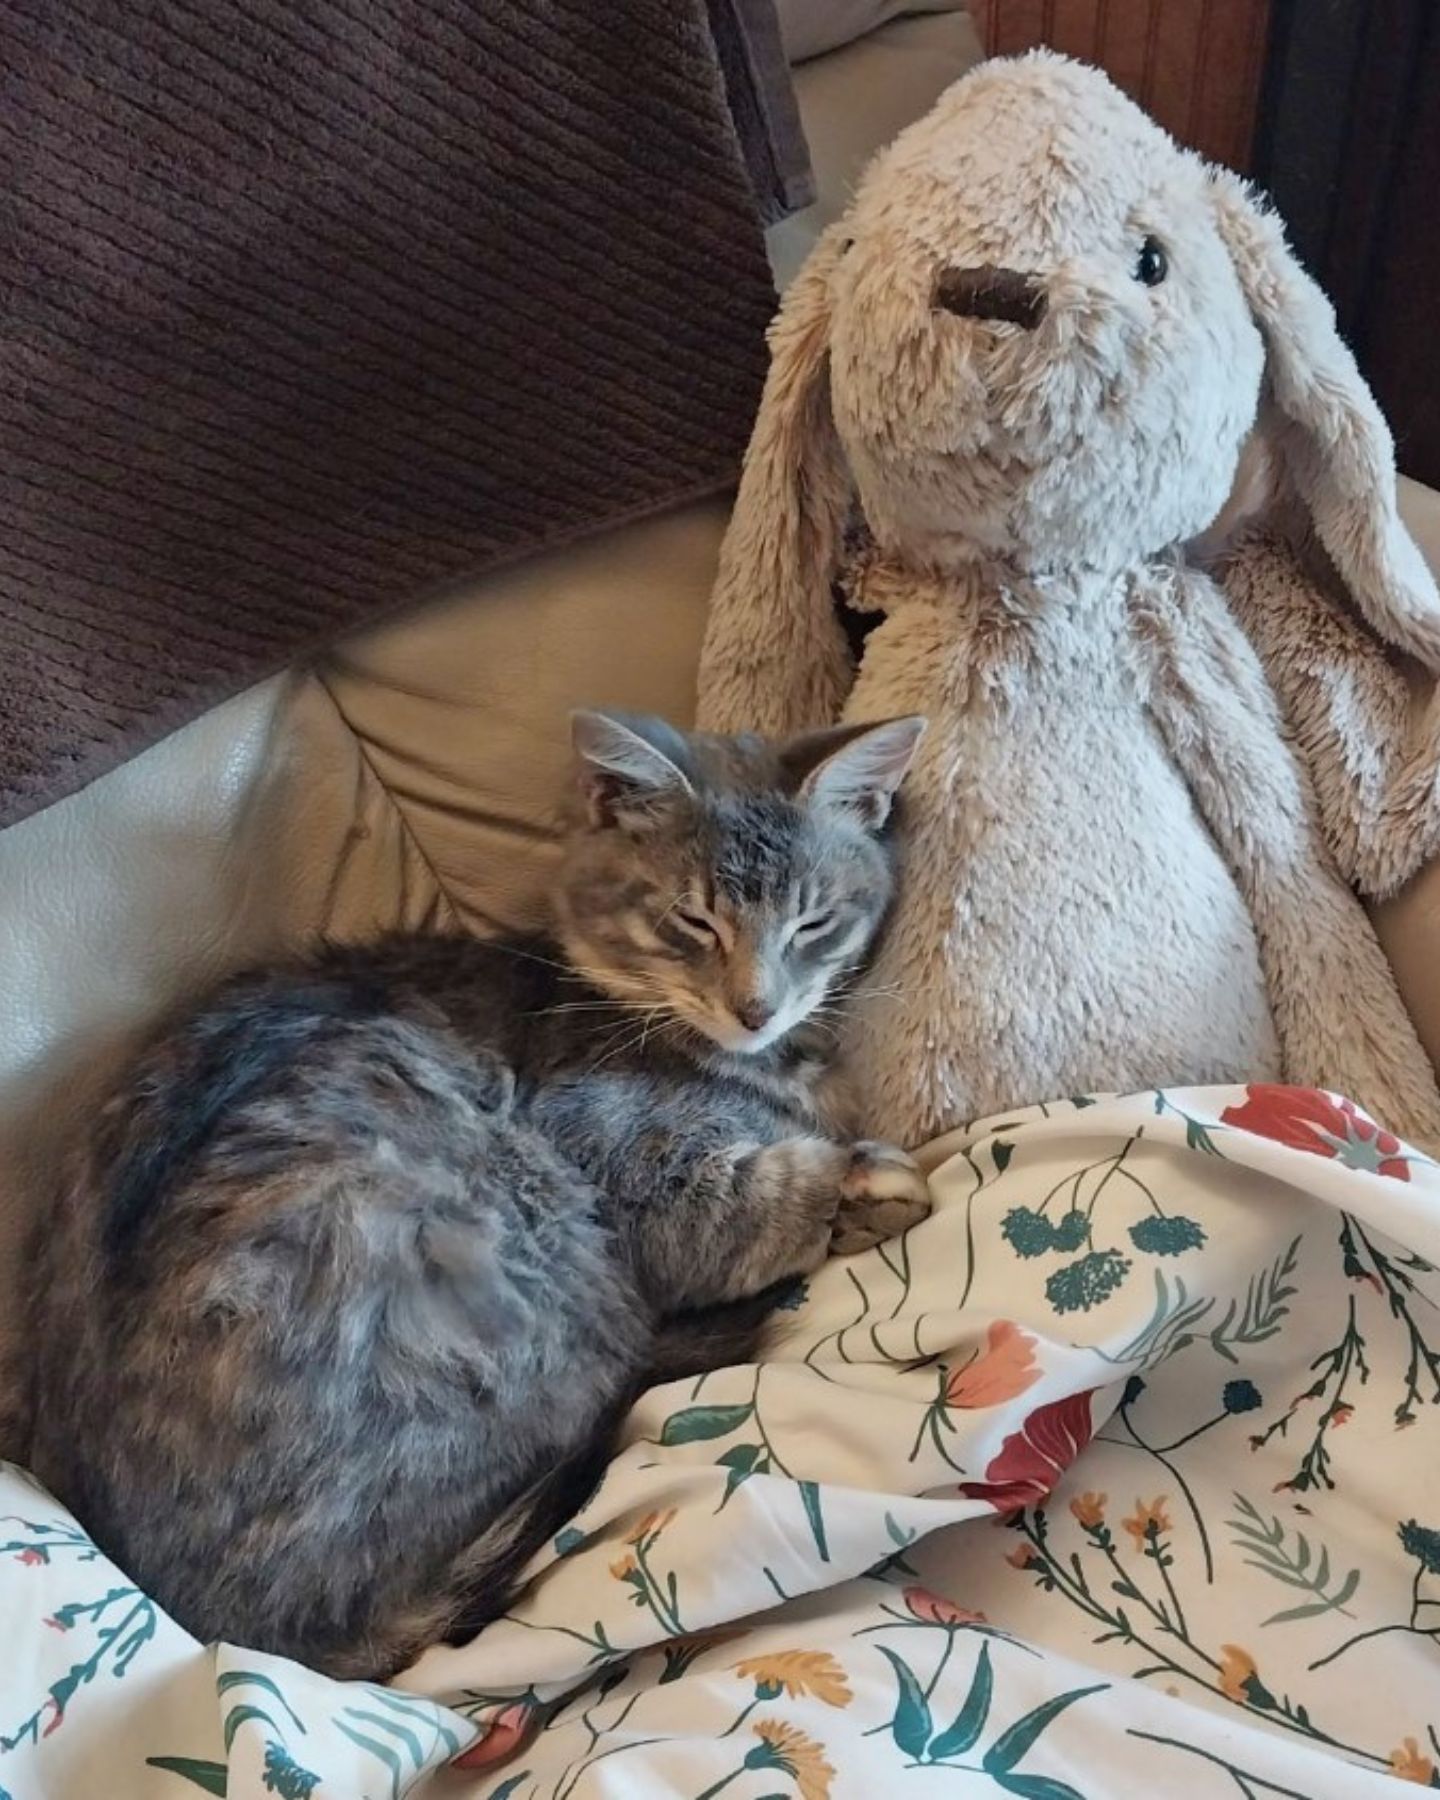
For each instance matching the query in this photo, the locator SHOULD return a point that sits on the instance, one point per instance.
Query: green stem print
(1266, 1547)
(1101, 1270)
(596, 1641)
(1340, 1363)
(637, 1573)
(1400, 1291)
(1250, 1786)
(1169, 1648)
(122, 1619)
(1199, 1135)
(1422, 1542)
(1232, 1404)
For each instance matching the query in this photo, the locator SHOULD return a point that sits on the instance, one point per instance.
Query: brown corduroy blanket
(306, 305)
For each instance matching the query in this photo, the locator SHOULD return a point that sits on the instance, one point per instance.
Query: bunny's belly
(1065, 925)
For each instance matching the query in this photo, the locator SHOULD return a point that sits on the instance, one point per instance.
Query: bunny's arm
(1341, 1021)
(1372, 751)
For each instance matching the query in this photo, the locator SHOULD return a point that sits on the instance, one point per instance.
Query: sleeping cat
(368, 1255)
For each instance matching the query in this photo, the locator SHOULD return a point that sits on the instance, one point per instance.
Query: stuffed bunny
(1030, 359)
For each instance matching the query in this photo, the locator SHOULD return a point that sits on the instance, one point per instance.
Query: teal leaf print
(743, 1461)
(697, 1423)
(964, 1734)
(382, 1753)
(406, 1736)
(510, 1786)
(1079, 1101)
(901, 1536)
(238, 1715)
(911, 1725)
(1162, 1236)
(1002, 1154)
(810, 1498)
(1197, 1137)
(568, 1541)
(1038, 1787)
(211, 1776)
(1079, 1286)
(422, 1711)
(1011, 1745)
(233, 1678)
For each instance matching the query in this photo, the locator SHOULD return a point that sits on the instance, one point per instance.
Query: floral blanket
(1117, 1477)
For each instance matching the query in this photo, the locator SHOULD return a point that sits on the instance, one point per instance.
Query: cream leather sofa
(411, 776)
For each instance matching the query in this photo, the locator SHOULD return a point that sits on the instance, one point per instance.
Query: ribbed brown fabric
(308, 304)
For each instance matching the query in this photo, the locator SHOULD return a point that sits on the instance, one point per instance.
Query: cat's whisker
(574, 1006)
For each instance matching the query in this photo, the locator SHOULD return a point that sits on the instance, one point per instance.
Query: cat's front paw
(882, 1193)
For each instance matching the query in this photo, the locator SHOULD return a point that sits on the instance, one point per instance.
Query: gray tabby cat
(369, 1255)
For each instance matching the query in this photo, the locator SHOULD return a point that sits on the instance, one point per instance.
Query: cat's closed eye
(810, 930)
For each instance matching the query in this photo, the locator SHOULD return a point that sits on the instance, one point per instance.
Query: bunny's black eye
(1152, 265)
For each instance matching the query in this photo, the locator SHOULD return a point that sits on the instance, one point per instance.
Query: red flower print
(933, 1609)
(59, 1719)
(504, 1734)
(32, 1558)
(1034, 1458)
(1306, 1119)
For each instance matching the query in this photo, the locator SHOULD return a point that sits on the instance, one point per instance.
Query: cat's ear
(630, 769)
(855, 768)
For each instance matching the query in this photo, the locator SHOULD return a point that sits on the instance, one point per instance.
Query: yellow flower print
(1410, 1765)
(797, 1673)
(1237, 1671)
(1089, 1509)
(1146, 1519)
(624, 1568)
(650, 1526)
(782, 1747)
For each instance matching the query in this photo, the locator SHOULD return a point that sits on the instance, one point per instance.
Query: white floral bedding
(1119, 1477)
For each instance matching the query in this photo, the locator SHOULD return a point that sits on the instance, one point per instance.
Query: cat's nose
(988, 292)
(754, 1015)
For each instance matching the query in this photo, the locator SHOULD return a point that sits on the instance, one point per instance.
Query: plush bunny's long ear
(775, 658)
(1332, 441)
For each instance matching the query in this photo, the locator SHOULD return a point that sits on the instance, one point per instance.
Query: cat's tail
(716, 1337)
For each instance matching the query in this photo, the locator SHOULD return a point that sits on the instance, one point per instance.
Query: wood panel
(1195, 64)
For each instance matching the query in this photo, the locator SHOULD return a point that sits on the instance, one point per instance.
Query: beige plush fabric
(1122, 870)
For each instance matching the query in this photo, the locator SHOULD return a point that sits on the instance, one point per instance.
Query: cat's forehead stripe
(755, 847)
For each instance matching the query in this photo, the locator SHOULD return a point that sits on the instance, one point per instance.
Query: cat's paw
(883, 1193)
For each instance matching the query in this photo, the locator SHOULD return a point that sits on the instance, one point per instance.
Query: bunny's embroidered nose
(987, 292)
